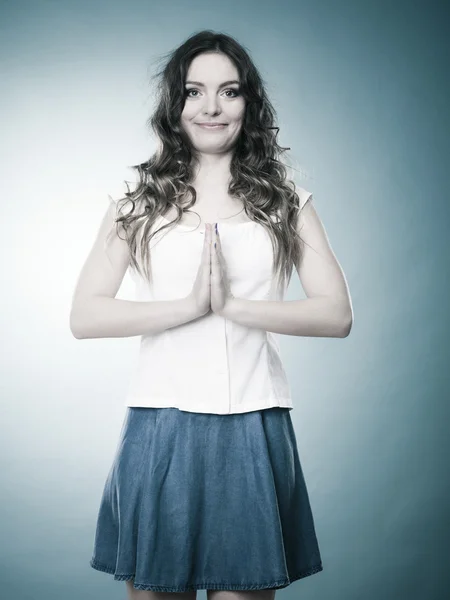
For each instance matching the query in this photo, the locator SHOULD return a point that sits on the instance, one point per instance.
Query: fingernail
(216, 228)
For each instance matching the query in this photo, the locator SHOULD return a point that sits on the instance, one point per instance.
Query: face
(212, 95)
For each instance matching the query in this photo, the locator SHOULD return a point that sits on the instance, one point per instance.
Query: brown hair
(258, 177)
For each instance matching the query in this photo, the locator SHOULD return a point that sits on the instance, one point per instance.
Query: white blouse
(210, 364)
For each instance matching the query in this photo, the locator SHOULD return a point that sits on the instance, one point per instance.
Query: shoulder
(305, 197)
(303, 194)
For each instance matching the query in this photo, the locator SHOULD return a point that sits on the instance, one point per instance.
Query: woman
(206, 490)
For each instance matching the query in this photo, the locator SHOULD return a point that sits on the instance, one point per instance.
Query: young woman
(206, 490)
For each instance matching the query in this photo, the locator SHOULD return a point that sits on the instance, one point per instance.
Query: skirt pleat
(205, 501)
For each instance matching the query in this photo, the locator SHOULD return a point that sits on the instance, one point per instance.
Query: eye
(236, 92)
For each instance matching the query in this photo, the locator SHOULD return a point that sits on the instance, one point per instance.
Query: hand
(221, 296)
(200, 295)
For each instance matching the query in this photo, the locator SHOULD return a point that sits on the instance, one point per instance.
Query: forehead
(212, 68)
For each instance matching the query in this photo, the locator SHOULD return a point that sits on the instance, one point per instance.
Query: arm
(326, 312)
(95, 311)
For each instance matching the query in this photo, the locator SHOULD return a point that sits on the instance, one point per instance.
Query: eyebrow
(200, 84)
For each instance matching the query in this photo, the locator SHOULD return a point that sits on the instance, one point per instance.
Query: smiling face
(212, 96)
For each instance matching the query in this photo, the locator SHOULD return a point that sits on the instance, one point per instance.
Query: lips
(212, 125)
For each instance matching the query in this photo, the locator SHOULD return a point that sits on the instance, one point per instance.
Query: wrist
(231, 307)
(192, 309)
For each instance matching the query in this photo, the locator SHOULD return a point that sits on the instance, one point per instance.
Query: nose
(211, 104)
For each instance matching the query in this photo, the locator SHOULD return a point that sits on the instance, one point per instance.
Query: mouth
(212, 125)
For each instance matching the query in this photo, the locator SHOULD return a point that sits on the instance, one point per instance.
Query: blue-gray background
(361, 91)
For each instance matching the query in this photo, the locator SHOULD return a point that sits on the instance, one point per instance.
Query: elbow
(345, 329)
(346, 323)
(75, 324)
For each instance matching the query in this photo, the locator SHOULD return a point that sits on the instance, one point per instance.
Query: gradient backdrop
(361, 90)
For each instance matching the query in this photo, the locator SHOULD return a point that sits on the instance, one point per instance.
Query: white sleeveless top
(210, 364)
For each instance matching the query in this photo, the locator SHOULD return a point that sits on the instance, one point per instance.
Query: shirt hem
(201, 408)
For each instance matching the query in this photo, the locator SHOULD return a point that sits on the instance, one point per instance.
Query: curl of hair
(258, 177)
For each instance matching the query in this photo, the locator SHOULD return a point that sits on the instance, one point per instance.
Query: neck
(213, 169)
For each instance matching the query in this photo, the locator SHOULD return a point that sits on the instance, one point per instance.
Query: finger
(208, 245)
(215, 264)
(209, 248)
(219, 247)
(219, 252)
(206, 256)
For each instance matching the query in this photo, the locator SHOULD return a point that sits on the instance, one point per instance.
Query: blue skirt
(205, 501)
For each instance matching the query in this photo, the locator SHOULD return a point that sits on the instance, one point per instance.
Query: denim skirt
(206, 501)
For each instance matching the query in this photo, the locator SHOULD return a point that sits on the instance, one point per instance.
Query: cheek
(238, 114)
(188, 112)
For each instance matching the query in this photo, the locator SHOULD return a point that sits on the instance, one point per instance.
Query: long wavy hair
(257, 177)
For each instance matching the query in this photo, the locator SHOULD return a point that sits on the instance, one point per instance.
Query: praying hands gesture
(211, 290)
